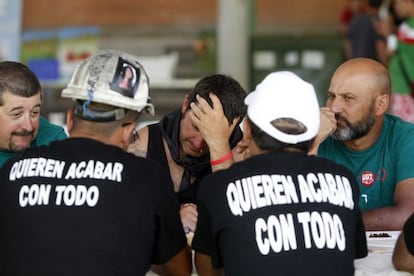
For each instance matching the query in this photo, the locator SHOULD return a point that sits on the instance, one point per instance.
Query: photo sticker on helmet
(125, 80)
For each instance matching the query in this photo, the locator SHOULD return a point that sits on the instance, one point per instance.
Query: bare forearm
(219, 156)
(386, 218)
(204, 266)
(401, 258)
(180, 264)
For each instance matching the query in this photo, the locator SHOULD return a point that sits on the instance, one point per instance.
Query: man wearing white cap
(280, 206)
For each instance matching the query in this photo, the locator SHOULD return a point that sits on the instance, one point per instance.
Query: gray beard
(354, 131)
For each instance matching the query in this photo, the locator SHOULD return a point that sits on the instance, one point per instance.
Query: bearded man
(378, 148)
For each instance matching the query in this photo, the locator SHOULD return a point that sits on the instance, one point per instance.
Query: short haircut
(17, 79)
(266, 142)
(104, 128)
(227, 89)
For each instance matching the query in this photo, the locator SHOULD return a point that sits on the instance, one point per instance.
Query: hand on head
(211, 121)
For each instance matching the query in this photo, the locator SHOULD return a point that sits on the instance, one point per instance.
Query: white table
(378, 262)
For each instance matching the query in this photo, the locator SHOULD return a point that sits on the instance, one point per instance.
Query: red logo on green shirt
(367, 178)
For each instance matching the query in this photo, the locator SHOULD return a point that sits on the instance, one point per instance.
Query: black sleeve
(170, 236)
(409, 234)
(361, 249)
(203, 235)
(204, 240)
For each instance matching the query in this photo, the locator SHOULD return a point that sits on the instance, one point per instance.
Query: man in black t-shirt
(84, 206)
(281, 211)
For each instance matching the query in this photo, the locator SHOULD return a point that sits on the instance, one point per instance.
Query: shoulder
(329, 145)
(45, 124)
(398, 128)
(50, 131)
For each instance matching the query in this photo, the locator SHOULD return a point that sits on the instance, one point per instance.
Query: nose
(335, 106)
(27, 122)
(198, 142)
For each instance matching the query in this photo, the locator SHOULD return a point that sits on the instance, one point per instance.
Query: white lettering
(34, 195)
(260, 191)
(36, 167)
(323, 230)
(280, 234)
(76, 195)
(95, 170)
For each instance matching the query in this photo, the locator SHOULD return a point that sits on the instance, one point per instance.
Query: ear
(247, 133)
(185, 105)
(69, 120)
(381, 104)
(126, 135)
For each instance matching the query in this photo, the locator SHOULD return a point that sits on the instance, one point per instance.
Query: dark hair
(227, 89)
(266, 142)
(17, 79)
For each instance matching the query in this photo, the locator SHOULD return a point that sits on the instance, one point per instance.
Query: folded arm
(393, 217)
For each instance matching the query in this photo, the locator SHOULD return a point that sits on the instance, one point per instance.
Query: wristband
(223, 159)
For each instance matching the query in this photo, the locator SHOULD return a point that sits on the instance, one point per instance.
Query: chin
(19, 147)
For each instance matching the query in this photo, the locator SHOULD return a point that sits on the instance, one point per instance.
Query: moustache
(339, 117)
(23, 133)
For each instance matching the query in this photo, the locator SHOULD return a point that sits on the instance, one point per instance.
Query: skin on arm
(401, 258)
(214, 128)
(180, 264)
(393, 217)
(204, 266)
(327, 126)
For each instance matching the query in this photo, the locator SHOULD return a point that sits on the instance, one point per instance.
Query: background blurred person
(401, 66)
(364, 38)
(351, 9)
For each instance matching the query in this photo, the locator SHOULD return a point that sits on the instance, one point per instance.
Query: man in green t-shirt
(377, 147)
(20, 120)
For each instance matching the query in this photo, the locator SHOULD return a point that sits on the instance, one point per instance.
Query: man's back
(274, 211)
(95, 211)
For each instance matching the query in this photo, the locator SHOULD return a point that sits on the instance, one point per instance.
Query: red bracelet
(223, 159)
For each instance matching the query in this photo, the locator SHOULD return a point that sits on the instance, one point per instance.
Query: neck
(90, 135)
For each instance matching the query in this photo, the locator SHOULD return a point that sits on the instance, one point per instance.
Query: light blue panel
(10, 29)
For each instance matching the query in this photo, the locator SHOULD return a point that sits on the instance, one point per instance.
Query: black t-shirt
(281, 214)
(80, 207)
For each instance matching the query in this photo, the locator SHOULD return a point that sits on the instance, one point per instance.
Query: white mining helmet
(113, 78)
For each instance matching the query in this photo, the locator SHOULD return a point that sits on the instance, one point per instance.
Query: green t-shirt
(382, 166)
(401, 66)
(47, 133)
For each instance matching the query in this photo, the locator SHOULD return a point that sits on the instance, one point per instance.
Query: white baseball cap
(284, 95)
